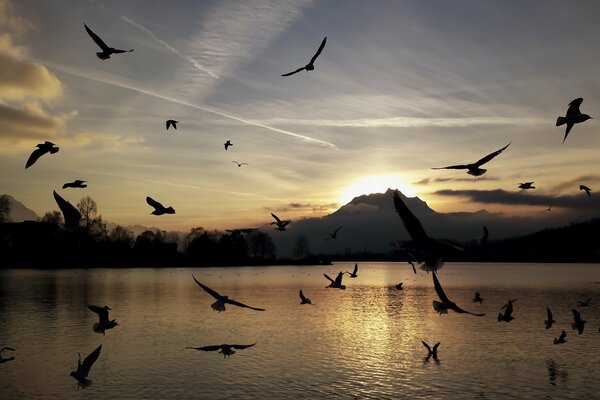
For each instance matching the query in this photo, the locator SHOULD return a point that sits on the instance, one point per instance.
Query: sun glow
(376, 184)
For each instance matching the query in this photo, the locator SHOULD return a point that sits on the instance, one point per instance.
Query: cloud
(11, 22)
(319, 208)
(573, 184)
(29, 122)
(427, 181)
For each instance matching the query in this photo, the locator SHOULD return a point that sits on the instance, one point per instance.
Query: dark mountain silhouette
(18, 212)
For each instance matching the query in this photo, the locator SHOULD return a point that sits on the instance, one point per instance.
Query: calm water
(364, 342)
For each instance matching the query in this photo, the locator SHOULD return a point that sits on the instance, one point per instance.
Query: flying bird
(337, 283)
(353, 274)
(106, 51)
(171, 122)
(42, 148)
(574, 116)
(584, 303)
(239, 164)
(310, 66)
(83, 369)
(104, 323)
(442, 307)
(159, 209)
(71, 215)
(219, 305)
(473, 169)
(225, 349)
(579, 324)
(431, 352)
(399, 286)
(281, 225)
(304, 299)
(526, 185)
(549, 321)
(227, 144)
(478, 299)
(76, 184)
(334, 234)
(507, 316)
(2, 359)
(561, 338)
(587, 190)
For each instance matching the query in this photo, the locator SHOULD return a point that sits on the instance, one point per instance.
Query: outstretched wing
(207, 289)
(276, 218)
(302, 296)
(101, 311)
(435, 347)
(96, 39)
(338, 278)
(35, 155)
(242, 346)
(153, 203)
(90, 360)
(71, 215)
(576, 316)
(293, 72)
(314, 58)
(574, 107)
(439, 290)
(206, 348)
(549, 313)
(426, 346)
(460, 166)
(237, 303)
(411, 223)
(490, 156)
(355, 269)
(327, 276)
(119, 51)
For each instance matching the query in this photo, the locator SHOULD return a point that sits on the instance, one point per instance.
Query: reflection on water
(363, 342)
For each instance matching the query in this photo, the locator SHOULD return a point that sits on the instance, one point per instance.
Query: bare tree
(301, 247)
(261, 244)
(88, 209)
(121, 235)
(4, 208)
(53, 217)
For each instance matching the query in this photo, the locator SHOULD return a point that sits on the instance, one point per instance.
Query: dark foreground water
(364, 342)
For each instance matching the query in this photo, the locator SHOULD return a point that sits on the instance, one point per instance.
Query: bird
(304, 299)
(549, 208)
(334, 234)
(473, 169)
(225, 349)
(561, 338)
(281, 225)
(104, 323)
(227, 144)
(337, 283)
(442, 307)
(106, 51)
(549, 321)
(507, 316)
(159, 209)
(2, 359)
(478, 299)
(219, 305)
(485, 236)
(526, 185)
(584, 303)
(399, 286)
(574, 116)
(587, 190)
(239, 164)
(431, 352)
(579, 324)
(353, 274)
(42, 148)
(75, 184)
(412, 264)
(171, 122)
(71, 215)
(310, 66)
(83, 369)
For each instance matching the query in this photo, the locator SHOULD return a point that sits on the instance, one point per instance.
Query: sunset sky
(401, 86)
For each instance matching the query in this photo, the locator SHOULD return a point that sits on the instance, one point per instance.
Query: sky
(401, 87)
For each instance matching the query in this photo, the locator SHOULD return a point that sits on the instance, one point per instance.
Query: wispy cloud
(427, 181)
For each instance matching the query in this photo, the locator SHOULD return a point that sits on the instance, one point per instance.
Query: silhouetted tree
(301, 247)
(121, 235)
(4, 208)
(53, 217)
(261, 245)
(88, 209)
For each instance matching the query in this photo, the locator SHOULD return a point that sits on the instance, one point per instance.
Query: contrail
(195, 63)
(79, 74)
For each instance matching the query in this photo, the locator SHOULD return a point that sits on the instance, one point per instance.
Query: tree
(53, 217)
(301, 247)
(121, 236)
(4, 208)
(261, 245)
(88, 209)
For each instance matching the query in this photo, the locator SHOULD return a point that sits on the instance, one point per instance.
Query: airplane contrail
(72, 71)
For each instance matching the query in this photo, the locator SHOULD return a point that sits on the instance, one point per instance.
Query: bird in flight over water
(310, 66)
(225, 349)
(171, 123)
(431, 352)
(227, 144)
(219, 305)
(104, 323)
(442, 307)
(75, 184)
(473, 169)
(42, 148)
(584, 303)
(574, 116)
(561, 338)
(550, 320)
(281, 225)
(239, 164)
(159, 209)
(526, 185)
(507, 316)
(578, 323)
(337, 283)
(304, 299)
(2, 359)
(354, 273)
(106, 51)
(83, 369)
(587, 190)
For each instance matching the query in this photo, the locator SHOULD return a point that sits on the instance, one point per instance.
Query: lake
(364, 342)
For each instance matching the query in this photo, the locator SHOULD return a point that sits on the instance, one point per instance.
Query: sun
(376, 184)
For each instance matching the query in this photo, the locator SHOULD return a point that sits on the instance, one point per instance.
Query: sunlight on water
(364, 342)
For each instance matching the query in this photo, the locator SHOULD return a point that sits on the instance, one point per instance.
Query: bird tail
(561, 121)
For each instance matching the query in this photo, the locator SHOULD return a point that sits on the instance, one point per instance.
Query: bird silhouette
(587, 190)
(507, 316)
(353, 274)
(239, 164)
(171, 122)
(442, 307)
(104, 323)
(281, 225)
(83, 369)
(399, 286)
(412, 264)
(106, 51)
(71, 215)
(526, 185)
(334, 234)
(473, 169)
(159, 209)
(219, 305)
(478, 299)
(584, 303)
(337, 283)
(225, 349)
(304, 299)
(574, 116)
(431, 352)
(310, 66)
(42, 148)
(227, 144)
(7, 359)
(578, 323)
(561, 338)
(549, 321)
(76, 184)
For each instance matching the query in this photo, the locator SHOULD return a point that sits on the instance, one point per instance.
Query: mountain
(18, 212)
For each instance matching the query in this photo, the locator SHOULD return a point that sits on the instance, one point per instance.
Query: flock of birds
(429, 253)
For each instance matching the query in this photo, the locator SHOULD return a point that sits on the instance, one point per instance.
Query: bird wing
(206, 348)
(78, 182)
(90, 360)
(439, 290)
(460, 166)
(276, 218)
(574, 107)
(167, 124)
(426, 346)
(237, 303)
(411, 223)
(97, 39)
(327, 276)
(242, 346)
(355, 269)
(302, 295)
(153, 203)
(207, 289)
(490, 156)
(336, 231)
(576, 316)
(549, 313)
(119, 51)
(101, 311)
(338, 278)
(35, 155)
(71, 215)
(293, 72)
(314, 58)
(435, 347)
